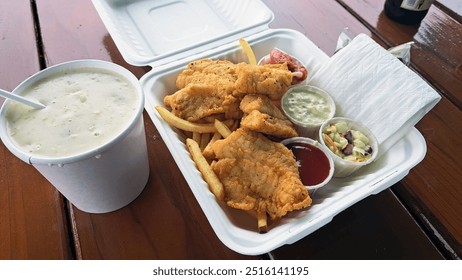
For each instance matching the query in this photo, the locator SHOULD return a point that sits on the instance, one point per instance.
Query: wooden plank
(372, 229)
(165, 222)
(315, 19)
(322, 21)
(437, 52)
(432, 189)
(451, 7)
(18, 51)
(69, 35)
(32, 218)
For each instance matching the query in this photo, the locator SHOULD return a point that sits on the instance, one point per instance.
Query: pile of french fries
(201, 136)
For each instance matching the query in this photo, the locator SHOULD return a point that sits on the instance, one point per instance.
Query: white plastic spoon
(21, 99)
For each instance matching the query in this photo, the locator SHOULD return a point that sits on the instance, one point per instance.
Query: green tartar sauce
(307, 105)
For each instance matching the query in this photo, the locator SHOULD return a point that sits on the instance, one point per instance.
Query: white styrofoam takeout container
(143, 32)
(105, 178)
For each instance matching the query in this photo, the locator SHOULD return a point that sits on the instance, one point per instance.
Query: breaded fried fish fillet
(196, 101)
(215, 86)
(260, 103)
(216, 73)
(272, 80)
(261, 115)
(259, 174)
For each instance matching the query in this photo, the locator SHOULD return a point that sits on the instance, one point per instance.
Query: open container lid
(156, 32)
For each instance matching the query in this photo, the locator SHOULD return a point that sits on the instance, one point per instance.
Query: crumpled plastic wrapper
(372, 86)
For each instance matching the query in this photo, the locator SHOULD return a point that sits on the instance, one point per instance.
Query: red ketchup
(313, 164)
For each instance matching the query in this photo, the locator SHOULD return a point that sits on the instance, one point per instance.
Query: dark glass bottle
(407, 11)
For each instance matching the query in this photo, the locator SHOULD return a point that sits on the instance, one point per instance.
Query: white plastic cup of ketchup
(315, 165)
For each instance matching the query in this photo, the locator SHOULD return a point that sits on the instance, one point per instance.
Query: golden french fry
(222, 128)
(228, 122)
(211, 119)
(196, 136)
(262, 222)
(180, 123)
(215, 185)
(205, 139)
(248, 51)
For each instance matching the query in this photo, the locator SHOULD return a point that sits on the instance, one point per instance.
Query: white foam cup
(101, 179)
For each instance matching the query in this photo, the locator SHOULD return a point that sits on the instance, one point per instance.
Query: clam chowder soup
(85, 108)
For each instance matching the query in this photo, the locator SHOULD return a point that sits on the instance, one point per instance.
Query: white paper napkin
(370, 85)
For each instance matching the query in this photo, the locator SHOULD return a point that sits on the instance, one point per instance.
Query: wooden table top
(420, 217)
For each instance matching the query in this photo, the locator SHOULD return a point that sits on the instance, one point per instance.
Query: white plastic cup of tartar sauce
(89, 142)
(307, 107)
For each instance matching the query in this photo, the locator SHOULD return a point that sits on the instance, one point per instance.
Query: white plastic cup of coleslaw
(307, 107)
(89, 142)
(345, 167)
